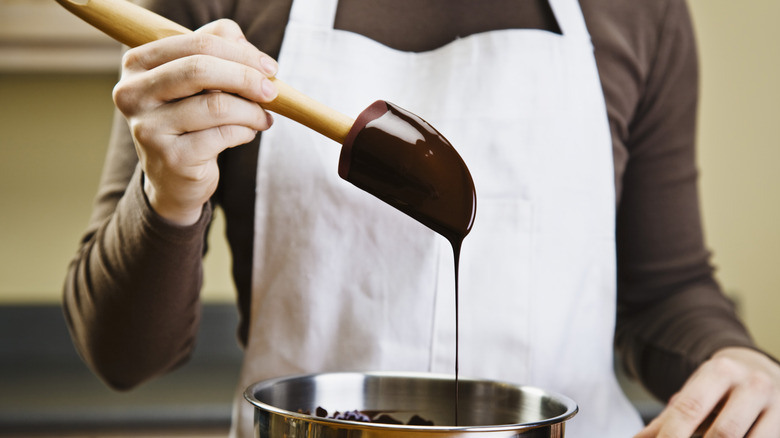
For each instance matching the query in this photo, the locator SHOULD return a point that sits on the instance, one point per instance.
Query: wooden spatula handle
(133, 25)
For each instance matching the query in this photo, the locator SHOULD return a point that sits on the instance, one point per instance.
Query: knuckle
(127, 97)
(226, 134)
(248, 78)
(225, 26)
(203, 43)
(760, 383)
(131, 58)
(725, 429)
(217, 105)
(723, 367)
(688, 407)
(142, 132)
(138, 58)
(222, 134)
(122, 96)
(195, 68)
(233, 135)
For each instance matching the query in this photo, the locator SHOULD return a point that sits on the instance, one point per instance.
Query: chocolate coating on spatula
(401, 159)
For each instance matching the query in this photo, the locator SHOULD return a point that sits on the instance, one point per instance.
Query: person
(577, 121)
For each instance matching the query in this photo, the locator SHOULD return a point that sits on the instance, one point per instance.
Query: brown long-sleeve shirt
(132, 291)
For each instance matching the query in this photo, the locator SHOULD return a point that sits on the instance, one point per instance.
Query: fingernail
(268, 90)
(269, 66)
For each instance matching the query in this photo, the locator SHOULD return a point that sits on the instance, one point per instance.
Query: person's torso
(336, 271)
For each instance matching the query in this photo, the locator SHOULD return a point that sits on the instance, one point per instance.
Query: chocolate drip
(402, 160)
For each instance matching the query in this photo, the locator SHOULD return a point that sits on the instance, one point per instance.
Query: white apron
(344, 282)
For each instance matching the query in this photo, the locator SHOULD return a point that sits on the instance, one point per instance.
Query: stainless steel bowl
(485, 407)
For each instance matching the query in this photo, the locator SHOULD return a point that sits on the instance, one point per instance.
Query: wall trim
(41, 36)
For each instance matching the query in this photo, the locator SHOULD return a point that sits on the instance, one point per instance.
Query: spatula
(388, 151)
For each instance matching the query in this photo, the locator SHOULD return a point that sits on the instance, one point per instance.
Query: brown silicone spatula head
(404, 161)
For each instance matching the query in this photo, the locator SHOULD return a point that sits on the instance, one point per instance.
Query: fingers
(745, 404)
(699, 397)
(208, 110)
(167, 88)
(215, 57)
(735, 394)
(214, 121)
(222, 39)
(188, 74)
(689, 408)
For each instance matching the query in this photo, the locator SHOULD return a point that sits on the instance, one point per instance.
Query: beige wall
(53, 133)
(739, 153)
(53, 129)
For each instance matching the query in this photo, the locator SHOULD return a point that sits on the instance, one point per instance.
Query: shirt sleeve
(672, 314)
(131, 294)
(131, 291)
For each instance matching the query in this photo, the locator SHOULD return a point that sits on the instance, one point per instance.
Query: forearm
(131, 292)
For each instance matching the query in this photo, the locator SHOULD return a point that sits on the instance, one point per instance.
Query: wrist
(171, 211)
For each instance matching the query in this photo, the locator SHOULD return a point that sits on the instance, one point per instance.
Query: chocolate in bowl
(485, 407)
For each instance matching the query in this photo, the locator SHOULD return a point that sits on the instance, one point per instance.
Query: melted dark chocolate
(401, 159)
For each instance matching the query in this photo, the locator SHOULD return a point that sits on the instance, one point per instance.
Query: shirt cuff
(159, 226)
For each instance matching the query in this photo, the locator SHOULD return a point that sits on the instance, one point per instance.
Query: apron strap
(570, 18)
(316, 13)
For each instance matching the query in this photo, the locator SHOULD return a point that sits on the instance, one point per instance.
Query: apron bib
(344, 282)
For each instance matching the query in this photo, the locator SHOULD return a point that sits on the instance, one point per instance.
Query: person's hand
(186, 99)
(738, 390)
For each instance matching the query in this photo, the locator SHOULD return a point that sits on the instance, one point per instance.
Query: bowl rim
(571, 405)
